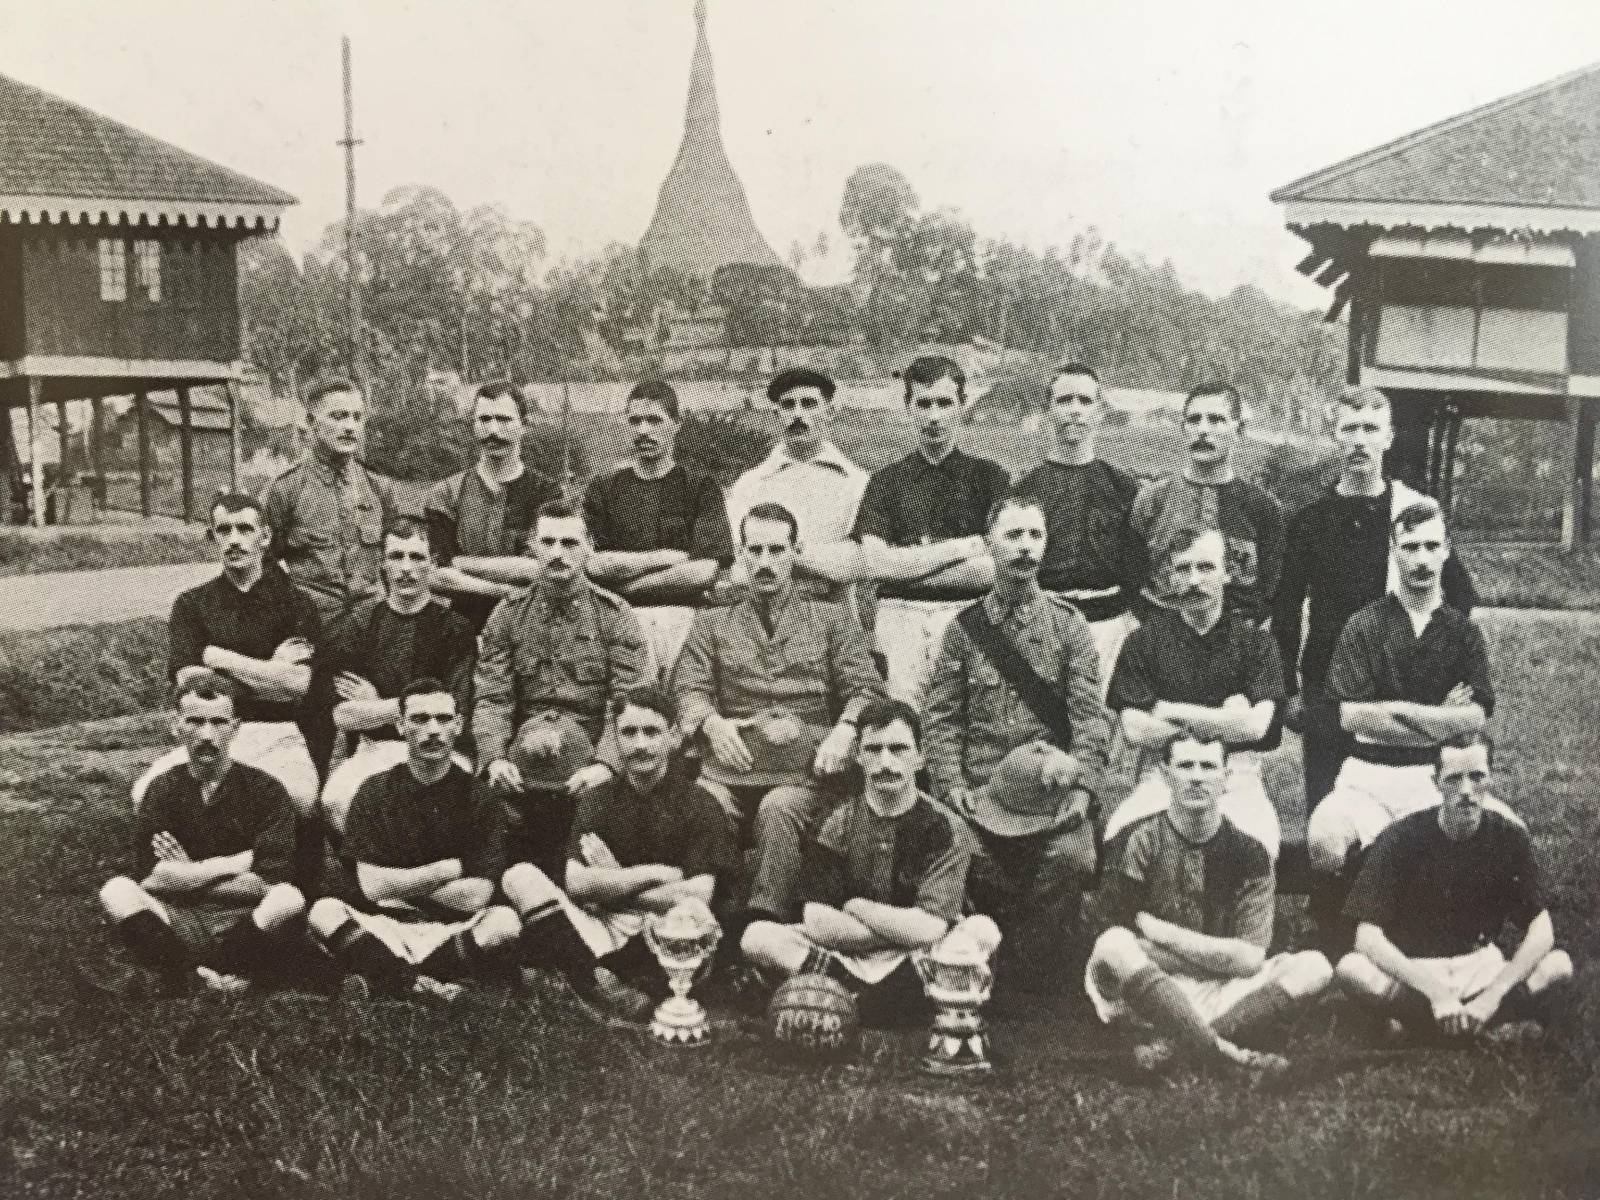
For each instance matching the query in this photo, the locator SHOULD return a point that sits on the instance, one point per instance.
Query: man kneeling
(640, 842)
(884, 876)
(1435, 891)
(1188, 899)
(213, 844)
(428, 844)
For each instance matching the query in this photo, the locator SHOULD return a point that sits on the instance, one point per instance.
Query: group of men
(846, 713)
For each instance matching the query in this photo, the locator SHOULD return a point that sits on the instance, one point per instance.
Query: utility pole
(355, 358)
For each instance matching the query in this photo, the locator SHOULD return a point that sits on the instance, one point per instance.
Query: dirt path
(95, 597)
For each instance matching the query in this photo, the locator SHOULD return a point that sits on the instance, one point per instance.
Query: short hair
(931, 368)
(1187, 736)
(558, 510)
(657, 391)
(230, 501)
(799, 377)
(1467, 741)
(1418, 512)
(330, 386)
(1188, 535)
(206, 684)
(1011, 499)
(1359, 397)
(1216, 387)
(427, 685)
(1071, 368)
(647, 695)
(771, 510)
(407, 526)
(881, 713)
(502, 389)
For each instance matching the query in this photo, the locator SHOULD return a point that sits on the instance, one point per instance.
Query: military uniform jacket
(974, 718)
(327, 530)
(541, 650)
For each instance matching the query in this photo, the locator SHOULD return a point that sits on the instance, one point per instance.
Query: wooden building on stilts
(118, 277)
(1467, 255)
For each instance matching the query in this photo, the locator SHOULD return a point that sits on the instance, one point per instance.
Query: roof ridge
(1417, 136)
(92, 123)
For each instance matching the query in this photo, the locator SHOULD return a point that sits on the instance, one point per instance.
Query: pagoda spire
(702, 219)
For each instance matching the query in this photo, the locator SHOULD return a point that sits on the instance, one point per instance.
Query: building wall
(11, 326)
(197, 316)
(1583, 335)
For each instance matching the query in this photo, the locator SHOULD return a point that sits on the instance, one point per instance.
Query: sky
(1163, 124)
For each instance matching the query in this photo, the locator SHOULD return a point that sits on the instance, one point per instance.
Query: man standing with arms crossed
(478, 519)
(1338, 558)
(920, 526)
(1092, 556)
(660, 532)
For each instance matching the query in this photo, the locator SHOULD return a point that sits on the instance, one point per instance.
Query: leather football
(814, 1015)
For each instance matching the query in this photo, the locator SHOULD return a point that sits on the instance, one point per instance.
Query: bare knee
(283, 903)
(1360, 976)
(768, 944)
(1305, 974)
(1118, 951)
(1327, 846)
(528, 887)
(327, 916)
(122, 897)
(1553, 968)
(499, 926)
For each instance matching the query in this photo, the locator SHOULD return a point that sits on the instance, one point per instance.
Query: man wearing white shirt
(809, 476)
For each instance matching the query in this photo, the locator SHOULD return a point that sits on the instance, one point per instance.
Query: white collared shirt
(822, 492)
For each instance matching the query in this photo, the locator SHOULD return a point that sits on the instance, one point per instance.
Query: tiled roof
(1539, 148)
(60, 159)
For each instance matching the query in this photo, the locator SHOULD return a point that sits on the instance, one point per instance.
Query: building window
(113, 269)
(147, 268)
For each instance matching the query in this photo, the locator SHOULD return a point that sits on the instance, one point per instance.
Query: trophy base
(681, 1022)
(967, 1055)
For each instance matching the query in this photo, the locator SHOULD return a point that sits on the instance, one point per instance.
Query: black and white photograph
(705, 599)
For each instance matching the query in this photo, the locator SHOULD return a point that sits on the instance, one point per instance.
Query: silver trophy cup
(682, 939)
(956, 977)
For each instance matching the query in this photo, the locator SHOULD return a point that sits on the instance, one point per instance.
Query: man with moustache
(406, 635)
(979, 712)
(327, 515)
(549, 661)
(1409, 674)
(920, 526)
(213, 842)
(772, 687)
(428, 846)
(1337, 559)
(1208, 495)
(1195, 669)
(478, 519)
(1092, 556)
(1187, 907)
(640, 843)
(884, 876)
(1437, 890)
(260, 631)
(660, 531)
(810, 477)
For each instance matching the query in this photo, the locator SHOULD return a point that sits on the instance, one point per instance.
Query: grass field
(512, 1096)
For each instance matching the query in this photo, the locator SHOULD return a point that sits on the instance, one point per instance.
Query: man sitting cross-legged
(1188, 904)
(1436, 890)
(640, 842)
(212, 848)
(884, 876)
(428, 844)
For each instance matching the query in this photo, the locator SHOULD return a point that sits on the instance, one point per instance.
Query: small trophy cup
(957, 979)
(682, 938)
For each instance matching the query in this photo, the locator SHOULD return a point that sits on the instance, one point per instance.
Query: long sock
(367, 956)
(549, 940)
(1256, 1011)
(1548, 1006)
(460, 957)
(1153, 995)
(153, 941)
